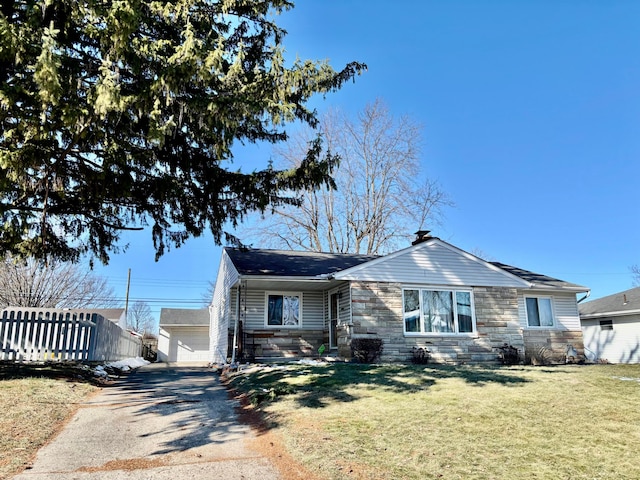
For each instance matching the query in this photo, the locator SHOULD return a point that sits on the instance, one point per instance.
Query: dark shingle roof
(184, 316)
(537, 279)
(626, 301)
(292, 263)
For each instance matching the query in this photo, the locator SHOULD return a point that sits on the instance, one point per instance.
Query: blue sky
(531, 116)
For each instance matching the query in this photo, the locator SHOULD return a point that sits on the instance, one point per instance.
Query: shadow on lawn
(318, 386)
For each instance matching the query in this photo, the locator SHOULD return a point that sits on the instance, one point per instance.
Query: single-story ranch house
(431, 294)
(611, 327)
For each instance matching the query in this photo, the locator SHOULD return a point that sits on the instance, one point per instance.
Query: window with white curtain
(539, 312)
(437, 311)
(283, 310)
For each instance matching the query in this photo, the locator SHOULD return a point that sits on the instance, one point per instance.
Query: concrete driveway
(158, 423)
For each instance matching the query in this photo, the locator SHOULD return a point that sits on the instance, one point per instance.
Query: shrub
(365, 350)
(420, 355)
(508, 355)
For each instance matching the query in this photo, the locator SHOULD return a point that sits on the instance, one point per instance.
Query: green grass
(468, 422)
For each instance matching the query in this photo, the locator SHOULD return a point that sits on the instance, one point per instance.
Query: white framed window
(539, 312)
(283, 309)
(437, 311)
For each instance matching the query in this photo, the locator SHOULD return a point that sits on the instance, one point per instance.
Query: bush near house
(366, 350)
(457, 422)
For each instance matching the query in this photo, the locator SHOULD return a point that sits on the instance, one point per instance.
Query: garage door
(189, 344)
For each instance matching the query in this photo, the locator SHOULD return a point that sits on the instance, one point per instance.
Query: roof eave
(615, 313)
(567, 288)
(288, 278)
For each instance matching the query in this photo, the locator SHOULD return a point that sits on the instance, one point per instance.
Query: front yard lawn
(453, 422)
(35, 401)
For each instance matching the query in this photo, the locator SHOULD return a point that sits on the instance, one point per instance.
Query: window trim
(283, 294)
(553, 311)
(453, 291)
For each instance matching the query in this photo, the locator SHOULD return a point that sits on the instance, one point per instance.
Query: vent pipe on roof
(421, 236)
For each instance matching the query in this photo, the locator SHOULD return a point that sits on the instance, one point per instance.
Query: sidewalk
(162, 423)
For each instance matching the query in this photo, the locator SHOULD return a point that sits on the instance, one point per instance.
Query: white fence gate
(40, 334)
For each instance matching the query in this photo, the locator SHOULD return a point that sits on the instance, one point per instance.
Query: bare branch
(55, 285)
(382, 195)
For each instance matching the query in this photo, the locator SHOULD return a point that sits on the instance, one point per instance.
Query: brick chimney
(421, 236)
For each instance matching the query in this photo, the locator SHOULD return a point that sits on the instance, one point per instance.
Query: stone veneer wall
(554, 342)
(284, 343)
(377, 312)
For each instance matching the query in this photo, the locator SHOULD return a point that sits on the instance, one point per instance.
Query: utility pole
(126, 303)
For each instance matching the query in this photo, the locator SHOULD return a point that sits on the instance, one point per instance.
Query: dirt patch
(128, 465)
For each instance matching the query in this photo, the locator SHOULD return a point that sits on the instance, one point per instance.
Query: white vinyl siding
(564, 308)
(221, 309)
(618, 344)
(433, 264)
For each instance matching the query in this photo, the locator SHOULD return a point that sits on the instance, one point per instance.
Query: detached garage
(184, 335)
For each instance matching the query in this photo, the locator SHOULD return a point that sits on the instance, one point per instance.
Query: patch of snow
(125, 365)
(128, 363)
(310, 361)
(628, 379)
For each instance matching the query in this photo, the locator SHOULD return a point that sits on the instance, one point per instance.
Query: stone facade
(496, 321)
(377, 312)
(284, 343)
(550, 346)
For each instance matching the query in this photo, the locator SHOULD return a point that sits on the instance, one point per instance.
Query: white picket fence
(47, 334)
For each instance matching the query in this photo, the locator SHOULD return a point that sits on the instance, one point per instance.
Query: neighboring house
(431, 294)
(184, 335)
(116, 315)
(611, 327)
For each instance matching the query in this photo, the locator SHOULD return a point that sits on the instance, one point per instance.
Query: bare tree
(635, 273)
(28, 283)
(207, 296)
(140, 319)
(381, 194)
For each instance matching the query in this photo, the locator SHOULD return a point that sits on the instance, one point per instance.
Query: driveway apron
(157, 423)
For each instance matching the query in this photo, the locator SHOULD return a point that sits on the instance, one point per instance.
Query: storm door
(333, 319)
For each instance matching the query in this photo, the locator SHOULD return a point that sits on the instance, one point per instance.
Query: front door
(333, 320)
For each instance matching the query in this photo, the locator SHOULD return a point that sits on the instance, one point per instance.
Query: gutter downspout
(234, 346)
(585, 297)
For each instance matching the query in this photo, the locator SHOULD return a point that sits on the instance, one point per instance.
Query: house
(431, 294)
(184, 335)
(116, 315)
(611, 327)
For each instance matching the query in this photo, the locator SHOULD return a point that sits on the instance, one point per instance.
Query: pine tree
(121, 115)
